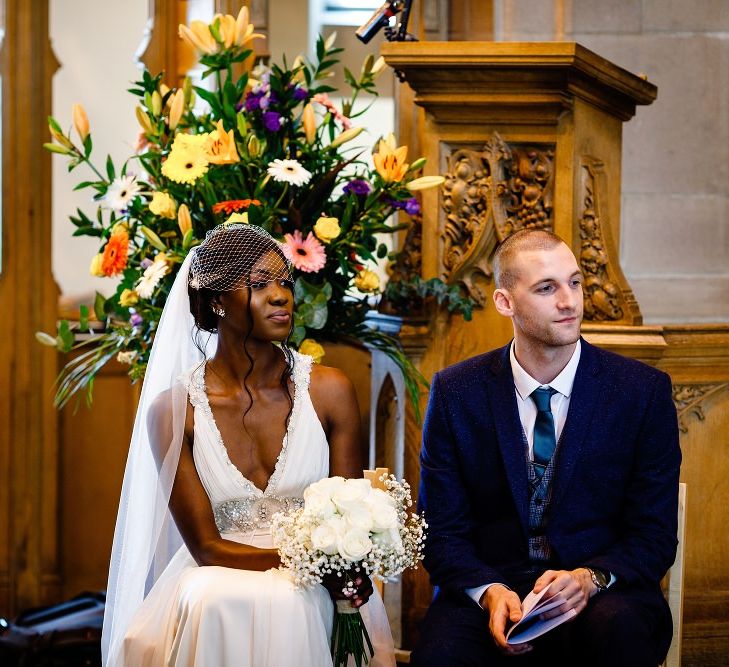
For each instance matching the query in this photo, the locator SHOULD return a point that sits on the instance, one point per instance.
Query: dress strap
(302, 371)
(194, 381)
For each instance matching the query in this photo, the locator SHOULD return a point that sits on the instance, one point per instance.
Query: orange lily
(220, 146)
(390, 160)
(80, 121)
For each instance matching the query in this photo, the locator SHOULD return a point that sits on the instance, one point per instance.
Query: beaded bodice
(238, 504)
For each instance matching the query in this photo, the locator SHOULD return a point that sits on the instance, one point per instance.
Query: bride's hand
(336, 583)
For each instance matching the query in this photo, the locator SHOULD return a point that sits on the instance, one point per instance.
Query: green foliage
(284, 114)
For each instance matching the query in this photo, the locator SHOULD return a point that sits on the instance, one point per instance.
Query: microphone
(380, 18)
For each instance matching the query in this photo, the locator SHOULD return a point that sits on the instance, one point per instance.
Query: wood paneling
(28, 295)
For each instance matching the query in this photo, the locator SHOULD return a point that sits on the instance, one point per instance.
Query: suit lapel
(584, 399)
(509, 432)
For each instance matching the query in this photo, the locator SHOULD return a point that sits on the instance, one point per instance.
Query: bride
(231, 428)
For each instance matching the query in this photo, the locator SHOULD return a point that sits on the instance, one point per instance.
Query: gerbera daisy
(289, 171)
(306, 254)
(233, 205)
(188, 159)
(114, 257)
(152, 275)
(121, 191)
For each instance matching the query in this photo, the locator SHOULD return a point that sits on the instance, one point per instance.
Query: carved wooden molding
(608, 296)
(488, 195)
(689, 400)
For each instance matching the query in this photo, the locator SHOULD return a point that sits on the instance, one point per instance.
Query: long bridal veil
(146, 538)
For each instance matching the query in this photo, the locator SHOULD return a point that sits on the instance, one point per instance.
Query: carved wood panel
(488, 195)
(690, 399)
(608, 296)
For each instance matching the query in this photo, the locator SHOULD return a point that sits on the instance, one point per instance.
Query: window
(349, 12)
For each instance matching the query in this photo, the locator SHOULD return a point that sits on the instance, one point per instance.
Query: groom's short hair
(505, 274)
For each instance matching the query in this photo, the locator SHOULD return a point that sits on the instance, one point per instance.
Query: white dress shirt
(524, 385)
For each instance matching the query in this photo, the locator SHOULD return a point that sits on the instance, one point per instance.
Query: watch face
(601, 579)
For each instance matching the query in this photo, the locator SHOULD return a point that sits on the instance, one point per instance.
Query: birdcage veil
(146, 537)
(235, 256)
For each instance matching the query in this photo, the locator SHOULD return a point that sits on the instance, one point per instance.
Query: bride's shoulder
(330, 386)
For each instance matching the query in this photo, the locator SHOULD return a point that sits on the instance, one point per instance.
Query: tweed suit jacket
(614, 500)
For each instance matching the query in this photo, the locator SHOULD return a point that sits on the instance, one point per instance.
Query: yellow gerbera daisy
(187, 160)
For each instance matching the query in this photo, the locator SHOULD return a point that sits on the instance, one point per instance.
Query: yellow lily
(243, 29)
(80, 121)
(346, 136)
(390, 160)
(198, 36)
(226, 29)
(176, 108)
(309, 122)
(184, 221)
(425, 182)
(143, 119)
(220, 146)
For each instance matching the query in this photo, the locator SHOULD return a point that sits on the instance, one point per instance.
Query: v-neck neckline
(280, 459)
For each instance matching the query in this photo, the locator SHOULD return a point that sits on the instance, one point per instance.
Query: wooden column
(28, 298)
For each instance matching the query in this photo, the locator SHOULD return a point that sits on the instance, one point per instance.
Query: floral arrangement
(347, 526)
(267, 147)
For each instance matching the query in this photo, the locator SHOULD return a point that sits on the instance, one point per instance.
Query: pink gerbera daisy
(306, 254)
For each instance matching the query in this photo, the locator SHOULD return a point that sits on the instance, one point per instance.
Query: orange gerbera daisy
(234, 205)
(114, 258)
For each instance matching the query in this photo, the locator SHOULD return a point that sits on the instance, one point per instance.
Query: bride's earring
(219, 311)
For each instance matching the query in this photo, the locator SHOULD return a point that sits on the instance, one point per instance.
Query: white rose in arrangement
(327, 486)
(360, 517)
(351, 494)
(325, 537)
(382, 509)
(318, 503)
(354, 545)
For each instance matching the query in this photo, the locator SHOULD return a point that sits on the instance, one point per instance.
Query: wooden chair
(673, 584)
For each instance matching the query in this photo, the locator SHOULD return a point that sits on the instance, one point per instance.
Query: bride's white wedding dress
(225, 617)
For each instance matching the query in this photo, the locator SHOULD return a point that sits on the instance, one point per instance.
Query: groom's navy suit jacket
(614, 497)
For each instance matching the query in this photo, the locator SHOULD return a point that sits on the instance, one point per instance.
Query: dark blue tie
(544, 440)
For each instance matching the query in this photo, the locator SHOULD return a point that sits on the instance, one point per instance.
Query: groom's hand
(575, 586)
(503, 607)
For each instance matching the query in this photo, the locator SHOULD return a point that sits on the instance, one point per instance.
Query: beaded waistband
(246, 514)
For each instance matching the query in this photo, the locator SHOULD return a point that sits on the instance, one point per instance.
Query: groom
(548, 461)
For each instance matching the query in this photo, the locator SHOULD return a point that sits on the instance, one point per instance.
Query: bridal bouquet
(346, 527)
(266, 146)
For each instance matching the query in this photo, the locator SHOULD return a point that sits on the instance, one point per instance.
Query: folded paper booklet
(531, 624)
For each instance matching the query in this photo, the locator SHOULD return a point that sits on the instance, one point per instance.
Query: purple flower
(300, 93)
(358, 187)
(253, 101)
(136, 319)
(146, 263)
(412, 206)
(264, 102)
(273, 121)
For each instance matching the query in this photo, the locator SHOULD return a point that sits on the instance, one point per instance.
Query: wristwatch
(600, 578)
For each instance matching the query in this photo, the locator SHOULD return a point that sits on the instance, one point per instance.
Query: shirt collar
(525, 384)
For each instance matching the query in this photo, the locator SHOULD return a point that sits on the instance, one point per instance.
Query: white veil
(146, 538)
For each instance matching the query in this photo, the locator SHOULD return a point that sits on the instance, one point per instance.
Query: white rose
(326, 536)
(326, 486)
(354, 545)
(359, 517)
(351, 494)
(382, 508)
(318, 504)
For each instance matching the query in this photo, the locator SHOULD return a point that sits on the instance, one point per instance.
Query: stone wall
(675, 181)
